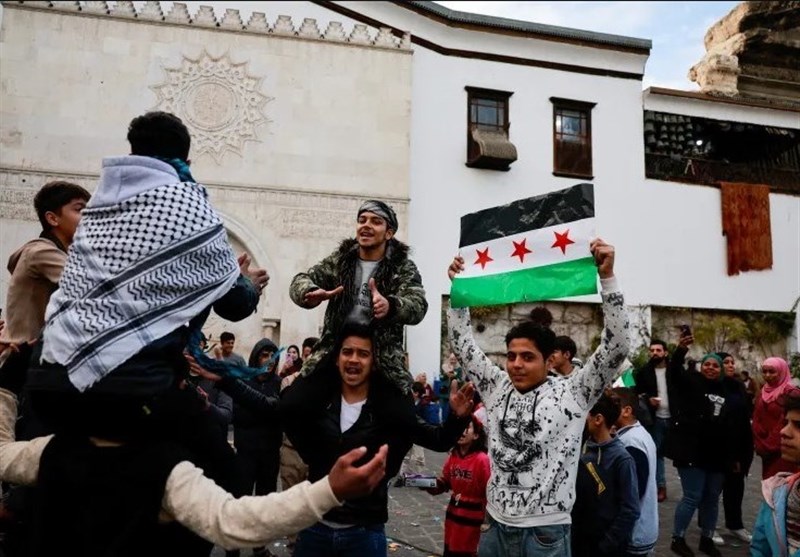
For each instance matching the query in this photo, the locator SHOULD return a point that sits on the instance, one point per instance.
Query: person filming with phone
(701, 442)
(653, 384)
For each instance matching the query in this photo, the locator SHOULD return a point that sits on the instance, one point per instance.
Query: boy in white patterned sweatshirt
(536, 422)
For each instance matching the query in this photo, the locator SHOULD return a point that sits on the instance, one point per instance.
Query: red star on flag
(483, 258)
(562, 241)
(520, 250)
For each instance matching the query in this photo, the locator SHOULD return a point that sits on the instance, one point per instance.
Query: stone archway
(266, 321)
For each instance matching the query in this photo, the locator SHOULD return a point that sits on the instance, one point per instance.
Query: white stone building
(294, 122)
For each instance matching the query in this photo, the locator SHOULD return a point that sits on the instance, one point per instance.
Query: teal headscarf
(714, 356)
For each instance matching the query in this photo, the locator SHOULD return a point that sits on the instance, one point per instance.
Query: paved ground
(416, 526)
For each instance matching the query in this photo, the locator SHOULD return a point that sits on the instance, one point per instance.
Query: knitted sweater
(189, 497)
(535, 437)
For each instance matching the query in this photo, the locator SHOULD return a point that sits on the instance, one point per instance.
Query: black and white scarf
(136, 271)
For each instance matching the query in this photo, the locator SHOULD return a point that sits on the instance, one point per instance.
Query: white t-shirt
(661, 380)
(349, 414)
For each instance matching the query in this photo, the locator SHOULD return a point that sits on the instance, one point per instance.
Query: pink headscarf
(768, 393)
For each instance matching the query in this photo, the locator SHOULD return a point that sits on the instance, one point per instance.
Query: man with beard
(368, 280)
(652, 382)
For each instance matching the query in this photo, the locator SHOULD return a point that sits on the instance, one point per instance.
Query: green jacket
(397, 280)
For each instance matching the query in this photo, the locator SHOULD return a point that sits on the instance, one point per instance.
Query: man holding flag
(536, 421)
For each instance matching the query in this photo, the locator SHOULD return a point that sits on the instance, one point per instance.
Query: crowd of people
(116, 409)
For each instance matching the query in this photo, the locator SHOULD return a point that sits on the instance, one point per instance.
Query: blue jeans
(501, 540)
(701, 491)
(660, 427)
(357, 541)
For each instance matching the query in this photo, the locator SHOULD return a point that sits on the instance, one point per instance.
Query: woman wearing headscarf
(768, 418)
(733, 488)
(701, 443)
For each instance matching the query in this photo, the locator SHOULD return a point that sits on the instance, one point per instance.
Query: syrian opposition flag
(529, 250)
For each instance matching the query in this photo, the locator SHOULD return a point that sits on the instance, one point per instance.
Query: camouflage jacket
(397, 280)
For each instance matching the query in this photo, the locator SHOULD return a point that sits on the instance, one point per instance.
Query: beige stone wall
(293, 123)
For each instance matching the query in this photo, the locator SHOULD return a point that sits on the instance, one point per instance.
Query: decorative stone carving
(95, 7)
(205, 17)
(360, 35)
(716, 74)
(335, 32)
(68, 6)
(151, 11)
(219, 100)
(178, 14)
(309, 29)
(284, 26)
(258, 23)
(232, 20)
(405, 43)
(385, 38)
(124, 9)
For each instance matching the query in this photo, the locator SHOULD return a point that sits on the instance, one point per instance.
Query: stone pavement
(416, 519)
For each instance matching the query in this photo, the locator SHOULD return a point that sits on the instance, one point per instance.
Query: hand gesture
(455, 267)
(316, 297)
(461, 400)
(348, 481)
(380, 305)
(196, 369)
(259, 277)
(204, 397)
(603, 257)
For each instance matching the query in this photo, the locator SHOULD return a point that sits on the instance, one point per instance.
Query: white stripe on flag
(541, 242)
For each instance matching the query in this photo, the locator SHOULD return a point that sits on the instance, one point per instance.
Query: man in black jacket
(346, 404)
(652, 382)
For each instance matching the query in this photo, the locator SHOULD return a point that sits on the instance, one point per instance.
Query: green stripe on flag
(560, 280)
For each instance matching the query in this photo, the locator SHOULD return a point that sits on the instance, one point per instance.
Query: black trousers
(258, 470)
(732, 496)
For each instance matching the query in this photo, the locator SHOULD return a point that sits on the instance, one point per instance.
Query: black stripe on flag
(541, 211)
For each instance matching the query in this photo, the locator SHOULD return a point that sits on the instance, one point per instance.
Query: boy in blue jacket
(777, 531)
(610, 488)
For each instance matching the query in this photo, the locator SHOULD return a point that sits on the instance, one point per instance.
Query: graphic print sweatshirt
(535, 437)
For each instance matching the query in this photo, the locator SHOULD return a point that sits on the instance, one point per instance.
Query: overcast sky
(676, 28)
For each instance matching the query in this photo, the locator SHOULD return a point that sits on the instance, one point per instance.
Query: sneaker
(707, 546)
(742, 534)
(679, 547)
(662, 494)
(717, 539)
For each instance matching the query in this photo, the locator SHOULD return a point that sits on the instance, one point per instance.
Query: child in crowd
(614, 490)
(465, 473)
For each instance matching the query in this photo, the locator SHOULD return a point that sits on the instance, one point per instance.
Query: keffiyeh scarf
(136, 271)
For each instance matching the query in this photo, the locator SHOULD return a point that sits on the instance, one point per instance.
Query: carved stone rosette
(218, 100)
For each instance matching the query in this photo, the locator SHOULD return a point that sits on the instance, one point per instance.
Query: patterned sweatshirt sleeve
(19, 460)
(211, 512)
(478, 367)
(587, 384)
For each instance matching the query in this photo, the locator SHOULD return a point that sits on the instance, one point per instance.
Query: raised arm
(587, 383)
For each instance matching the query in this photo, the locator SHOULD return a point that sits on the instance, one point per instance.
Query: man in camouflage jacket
(369, 279)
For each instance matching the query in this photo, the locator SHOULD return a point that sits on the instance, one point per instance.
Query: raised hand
(348, 481)
(259, 277)
(380, 305)
(455, 267)
(316, 297)
(603, 257)
(461, 400)
(197, 369)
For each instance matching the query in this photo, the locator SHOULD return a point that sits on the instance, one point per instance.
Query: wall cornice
(283, 27)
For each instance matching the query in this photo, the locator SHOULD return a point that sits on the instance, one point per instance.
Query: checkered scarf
(136, 271)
